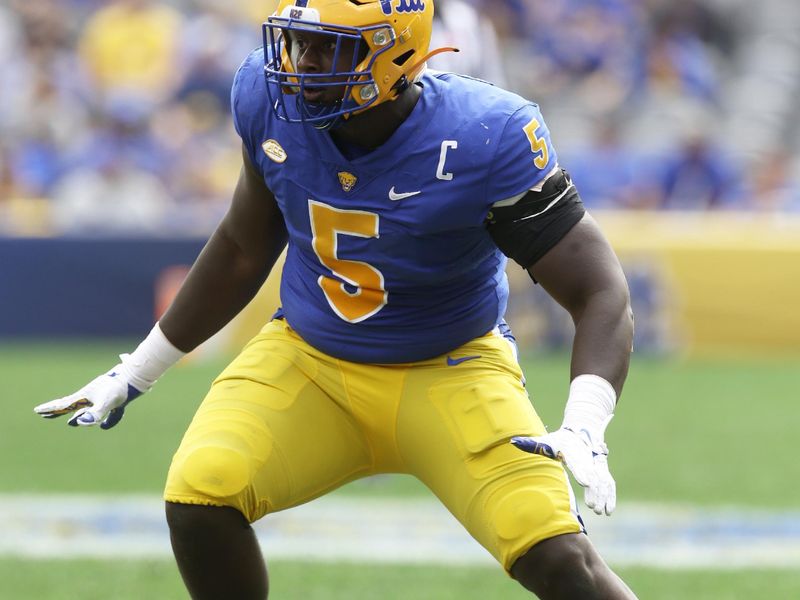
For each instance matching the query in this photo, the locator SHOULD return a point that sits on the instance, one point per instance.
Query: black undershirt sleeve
(527, 229)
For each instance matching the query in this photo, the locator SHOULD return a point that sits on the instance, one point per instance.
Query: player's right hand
(102, 401)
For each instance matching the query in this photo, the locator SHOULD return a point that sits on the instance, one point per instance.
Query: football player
(400, 193)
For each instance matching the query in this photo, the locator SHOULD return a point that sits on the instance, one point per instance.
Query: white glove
(579, 442)
(585, 456)
(102, 401)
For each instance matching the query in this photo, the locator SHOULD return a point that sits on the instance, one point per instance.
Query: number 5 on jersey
(327, 223)
(538, 144)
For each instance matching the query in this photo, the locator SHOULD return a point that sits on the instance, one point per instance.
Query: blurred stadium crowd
(114, 114)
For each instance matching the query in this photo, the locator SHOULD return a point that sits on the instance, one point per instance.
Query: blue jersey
(389, 259)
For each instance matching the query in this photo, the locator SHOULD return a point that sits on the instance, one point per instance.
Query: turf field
(97, 580)
(700, 432)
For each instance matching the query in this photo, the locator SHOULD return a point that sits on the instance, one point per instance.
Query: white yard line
(341, 528)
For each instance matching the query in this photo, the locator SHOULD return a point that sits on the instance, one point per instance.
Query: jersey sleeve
(248, 102)
(524, 156)
(534, 203)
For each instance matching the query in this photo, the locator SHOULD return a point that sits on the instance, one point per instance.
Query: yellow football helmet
(391, 40)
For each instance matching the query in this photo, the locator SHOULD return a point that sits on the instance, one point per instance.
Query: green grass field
(98, 580)
(691, 432)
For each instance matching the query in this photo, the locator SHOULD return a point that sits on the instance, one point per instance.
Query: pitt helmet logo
(274, 151)
(403, 6)
(347, 180)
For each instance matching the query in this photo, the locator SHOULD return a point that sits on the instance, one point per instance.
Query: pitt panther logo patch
(347, 180)
(403, 6)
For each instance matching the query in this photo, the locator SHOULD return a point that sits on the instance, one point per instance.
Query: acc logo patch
(274, 150)
(348, 180)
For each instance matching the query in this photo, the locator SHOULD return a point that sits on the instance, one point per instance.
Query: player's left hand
(585, 455)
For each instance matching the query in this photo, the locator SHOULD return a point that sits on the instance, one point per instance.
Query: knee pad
(217, 471)
(522, 512)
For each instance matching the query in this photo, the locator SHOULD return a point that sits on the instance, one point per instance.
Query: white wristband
(590, 405)
(150, 360)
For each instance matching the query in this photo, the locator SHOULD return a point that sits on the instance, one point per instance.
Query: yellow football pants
(285, 423)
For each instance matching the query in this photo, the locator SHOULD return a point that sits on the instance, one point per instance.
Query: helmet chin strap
(310, 109)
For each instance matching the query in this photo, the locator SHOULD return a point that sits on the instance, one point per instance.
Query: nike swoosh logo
(395, 196)
(452, 362)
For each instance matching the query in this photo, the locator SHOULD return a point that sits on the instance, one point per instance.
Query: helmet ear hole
(403, 58)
